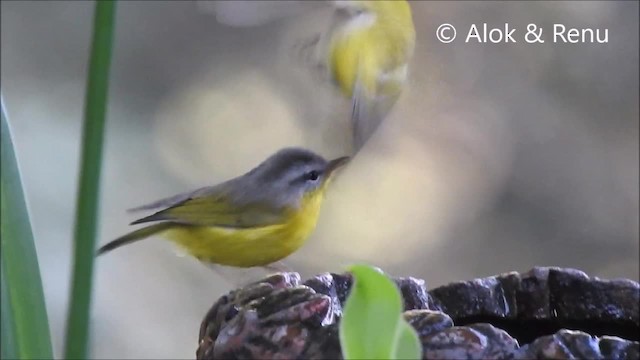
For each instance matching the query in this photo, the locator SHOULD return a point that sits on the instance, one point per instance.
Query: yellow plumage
(255, 219)
(368, 58)
(250, 247)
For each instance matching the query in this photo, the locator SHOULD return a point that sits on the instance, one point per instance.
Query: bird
(367, 52)
(363, 50)
(253, 220)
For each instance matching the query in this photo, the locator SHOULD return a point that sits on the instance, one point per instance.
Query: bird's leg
(306, 48)
(278, 266)
(237, 277)
(308, 53)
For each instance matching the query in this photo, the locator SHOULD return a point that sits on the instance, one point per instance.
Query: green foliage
(408, 344)
(24, 326)
(89, 183)
(372, 326)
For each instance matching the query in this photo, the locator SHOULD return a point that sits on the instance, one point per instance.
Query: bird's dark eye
(312, 175)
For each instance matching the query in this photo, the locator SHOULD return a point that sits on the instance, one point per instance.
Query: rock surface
(544, 313)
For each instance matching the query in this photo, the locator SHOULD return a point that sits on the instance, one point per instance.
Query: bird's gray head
(293, 172)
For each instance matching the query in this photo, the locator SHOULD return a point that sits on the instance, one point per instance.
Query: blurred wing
(361, 118)
(364, 117)
(368, 110)
(211, 207)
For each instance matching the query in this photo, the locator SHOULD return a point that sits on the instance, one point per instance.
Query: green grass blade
(25, 326)
(7, 330)
(77, 337)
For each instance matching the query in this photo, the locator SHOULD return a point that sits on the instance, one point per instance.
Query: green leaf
(372, 326)
(408, 344)
(7, 332)
(24, 323)
(77, 336)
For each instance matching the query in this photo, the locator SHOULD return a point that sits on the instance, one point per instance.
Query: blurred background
(498, 157)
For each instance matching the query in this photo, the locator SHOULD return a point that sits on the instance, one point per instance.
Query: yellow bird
(370, 45)
(365, 51)
(255, 219)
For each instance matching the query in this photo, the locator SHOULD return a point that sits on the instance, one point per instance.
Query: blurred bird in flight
(365, 50)
(368, 55)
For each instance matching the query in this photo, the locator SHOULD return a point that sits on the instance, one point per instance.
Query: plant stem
(77, 337)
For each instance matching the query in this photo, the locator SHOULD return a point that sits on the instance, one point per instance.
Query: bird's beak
(335, 164)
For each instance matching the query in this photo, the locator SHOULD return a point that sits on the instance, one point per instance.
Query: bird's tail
(136, 235)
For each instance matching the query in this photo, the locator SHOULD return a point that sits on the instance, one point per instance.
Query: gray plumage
(276, 183)
(258, 198)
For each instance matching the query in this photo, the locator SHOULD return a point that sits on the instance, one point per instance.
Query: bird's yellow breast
(364, 50)
(251, 247)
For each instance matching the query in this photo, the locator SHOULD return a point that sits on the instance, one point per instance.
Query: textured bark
(544, 313)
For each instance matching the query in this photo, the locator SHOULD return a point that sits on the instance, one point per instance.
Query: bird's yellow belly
(251, 246)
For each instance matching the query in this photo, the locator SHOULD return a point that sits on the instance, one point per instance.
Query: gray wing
(229, 204)
(174, 200)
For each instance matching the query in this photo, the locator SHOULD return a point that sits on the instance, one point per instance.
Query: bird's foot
(277, 266)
